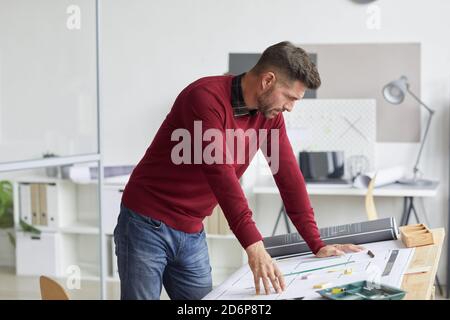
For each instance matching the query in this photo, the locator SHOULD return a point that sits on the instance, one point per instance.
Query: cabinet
(68, 221)
(47, 244)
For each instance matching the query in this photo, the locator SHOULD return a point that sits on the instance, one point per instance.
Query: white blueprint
(301, 274)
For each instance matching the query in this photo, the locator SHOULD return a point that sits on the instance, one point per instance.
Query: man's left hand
(337, 250)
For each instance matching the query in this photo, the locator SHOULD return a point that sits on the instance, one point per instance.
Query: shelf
(81, 227)
(111, 181)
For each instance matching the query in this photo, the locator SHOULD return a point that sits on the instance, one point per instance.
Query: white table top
(392, 190)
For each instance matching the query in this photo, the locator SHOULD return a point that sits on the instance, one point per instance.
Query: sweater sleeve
(291, 184)
(221, 176)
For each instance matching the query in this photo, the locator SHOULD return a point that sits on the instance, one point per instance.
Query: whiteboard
(347, 125)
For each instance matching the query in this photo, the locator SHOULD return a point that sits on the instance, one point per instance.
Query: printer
(325, 167)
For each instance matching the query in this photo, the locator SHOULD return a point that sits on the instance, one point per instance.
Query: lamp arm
(420, 101)
(430, 116)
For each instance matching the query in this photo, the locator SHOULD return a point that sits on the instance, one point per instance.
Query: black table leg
(438, 283)
(405, 210)
(282, 212)
(286, 220)
(414, 210)
(278, 220)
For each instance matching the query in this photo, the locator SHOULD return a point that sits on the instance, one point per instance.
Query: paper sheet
(240, 285)
(384, 177)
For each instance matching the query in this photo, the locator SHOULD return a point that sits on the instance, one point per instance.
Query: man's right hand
(264, 268)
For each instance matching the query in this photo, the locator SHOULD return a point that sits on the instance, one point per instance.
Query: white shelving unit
(73, 241)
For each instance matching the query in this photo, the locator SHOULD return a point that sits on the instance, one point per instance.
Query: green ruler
(319, 268)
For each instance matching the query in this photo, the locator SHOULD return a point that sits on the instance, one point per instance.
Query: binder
(43, 204)
(25, 202)
(52, 205)
(35, 210)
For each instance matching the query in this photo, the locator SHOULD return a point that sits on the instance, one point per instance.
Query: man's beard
(265, 103)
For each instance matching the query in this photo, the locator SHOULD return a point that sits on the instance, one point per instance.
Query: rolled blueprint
(384, 177)
(292, 244)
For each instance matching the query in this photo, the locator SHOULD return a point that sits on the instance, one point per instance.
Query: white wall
(153, 49)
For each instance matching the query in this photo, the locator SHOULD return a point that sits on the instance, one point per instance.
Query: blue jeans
(150, 253)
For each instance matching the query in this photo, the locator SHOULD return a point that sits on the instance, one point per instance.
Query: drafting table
(417, 270)
(407, 192)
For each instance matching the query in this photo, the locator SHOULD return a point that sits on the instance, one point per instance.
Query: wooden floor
(14, 287)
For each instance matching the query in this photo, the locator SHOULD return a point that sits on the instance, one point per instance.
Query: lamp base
(416, 182)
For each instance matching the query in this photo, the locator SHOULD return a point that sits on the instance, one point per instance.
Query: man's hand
(264, 268)
(337, 250)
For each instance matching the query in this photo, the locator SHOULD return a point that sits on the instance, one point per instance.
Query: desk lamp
(394, 92)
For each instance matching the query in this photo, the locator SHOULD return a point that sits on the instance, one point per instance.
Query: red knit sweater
(182, 195)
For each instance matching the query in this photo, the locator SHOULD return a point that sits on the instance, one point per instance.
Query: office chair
(52, 290)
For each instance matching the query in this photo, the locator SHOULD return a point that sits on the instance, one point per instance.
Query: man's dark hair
(293, 62)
